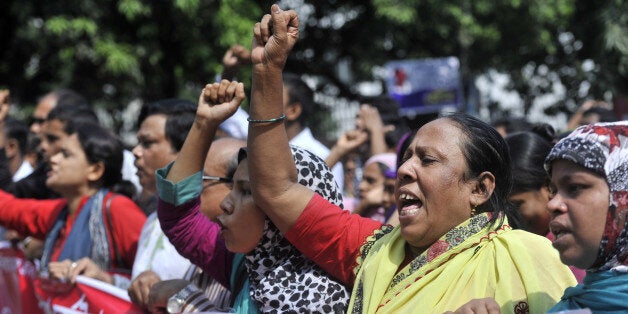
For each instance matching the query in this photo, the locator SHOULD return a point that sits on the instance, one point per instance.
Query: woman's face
(578, 209)
(372, 178)
(432, 195)
(389, 192)
(242, 223)
(69, 168)
(533, 208)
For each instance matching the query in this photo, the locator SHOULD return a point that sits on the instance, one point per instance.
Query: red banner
(21, 291)
(16, 282)
(90, 296)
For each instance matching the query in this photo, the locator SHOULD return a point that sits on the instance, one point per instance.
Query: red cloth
(339, 237)
(36, 218)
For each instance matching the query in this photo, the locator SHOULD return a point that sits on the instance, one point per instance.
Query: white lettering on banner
(81, 305)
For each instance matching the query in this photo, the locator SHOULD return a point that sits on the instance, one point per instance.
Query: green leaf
(133, 9)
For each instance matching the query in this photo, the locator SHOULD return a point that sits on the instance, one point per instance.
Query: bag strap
(119, 261)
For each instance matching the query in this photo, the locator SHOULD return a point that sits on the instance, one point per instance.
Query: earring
(473, 210)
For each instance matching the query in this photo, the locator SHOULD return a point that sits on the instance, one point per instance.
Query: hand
(236, 55)
(140, 287)
(5, 104)
(69, 270)
(161, 292)
(479, 306)
(351, 140)
(60, 270)
(370, 120)
(274, 37)
(232, 60)
(345, 144)
(591, 103)
(219, 101)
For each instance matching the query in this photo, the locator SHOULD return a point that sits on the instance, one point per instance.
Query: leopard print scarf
(282, 280)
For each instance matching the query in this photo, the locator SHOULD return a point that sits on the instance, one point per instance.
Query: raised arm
(273, 173)
(6, 178)
(346, 143)
(235, 57)
(216, 103)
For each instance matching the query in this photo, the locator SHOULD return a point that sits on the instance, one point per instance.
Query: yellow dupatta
(519, 269)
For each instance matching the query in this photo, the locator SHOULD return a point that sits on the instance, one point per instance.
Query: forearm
(27, 216)
(194, 151)
(274, 172)
(335, 155)
(378, 142)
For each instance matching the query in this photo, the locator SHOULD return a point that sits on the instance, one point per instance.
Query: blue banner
(425, 85)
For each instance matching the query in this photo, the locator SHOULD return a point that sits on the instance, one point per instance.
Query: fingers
(284, 23)
(76, 268)
(223, 92)
(479, 306)
(265, 29)
(139, 290)
(5, 96)
(5, 104)
(243, 54)
(239, 93)
(59, 270)
(257, 35)
(161, 291)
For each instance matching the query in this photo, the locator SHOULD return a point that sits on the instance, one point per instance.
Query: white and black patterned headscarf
(603, 148)
(283, 280)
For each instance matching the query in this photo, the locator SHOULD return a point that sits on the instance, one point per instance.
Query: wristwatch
(177, 301)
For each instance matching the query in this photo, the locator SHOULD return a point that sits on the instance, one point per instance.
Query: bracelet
(280, 118)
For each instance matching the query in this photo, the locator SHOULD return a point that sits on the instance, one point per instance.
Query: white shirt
(129, 171)
(306, 140)
(156, 253)
(237, 126)
(23, 171)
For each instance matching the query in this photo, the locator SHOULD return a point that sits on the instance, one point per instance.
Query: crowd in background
(219, 209)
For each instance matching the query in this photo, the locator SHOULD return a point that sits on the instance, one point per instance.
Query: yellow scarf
(474, 260)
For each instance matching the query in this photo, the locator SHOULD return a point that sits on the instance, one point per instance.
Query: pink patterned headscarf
(603, 148)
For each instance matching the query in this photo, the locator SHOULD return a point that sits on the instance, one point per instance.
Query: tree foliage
(114, 51)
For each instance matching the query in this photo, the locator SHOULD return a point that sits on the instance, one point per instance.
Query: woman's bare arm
(273, 173)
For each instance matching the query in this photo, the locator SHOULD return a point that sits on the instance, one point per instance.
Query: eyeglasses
(217, 179)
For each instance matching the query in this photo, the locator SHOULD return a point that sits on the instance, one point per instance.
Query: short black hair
(180, 115)
(72, 112)
(512, 124)
(69, 97)
(17, 130)
(300, 92)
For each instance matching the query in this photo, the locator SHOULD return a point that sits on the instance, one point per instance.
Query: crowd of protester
(221, 210)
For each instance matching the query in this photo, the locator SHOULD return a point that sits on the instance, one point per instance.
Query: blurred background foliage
(116, 51)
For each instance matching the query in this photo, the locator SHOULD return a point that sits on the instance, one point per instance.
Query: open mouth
(558, 230)
(222, 227)
(409, 205)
